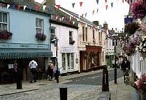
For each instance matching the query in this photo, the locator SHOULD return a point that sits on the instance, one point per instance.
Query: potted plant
(5, 35)
(40, 36)
(71, 41)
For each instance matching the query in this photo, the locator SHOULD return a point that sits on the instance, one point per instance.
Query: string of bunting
(43, 8)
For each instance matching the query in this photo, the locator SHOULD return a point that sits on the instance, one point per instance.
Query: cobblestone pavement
(49, 90)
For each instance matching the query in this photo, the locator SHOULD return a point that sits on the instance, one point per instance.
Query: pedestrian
(33, 70)
(57, 73)
(50, 70)
(125, 65)
(18, 75)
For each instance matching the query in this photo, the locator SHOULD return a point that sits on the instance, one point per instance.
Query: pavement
(118, 91)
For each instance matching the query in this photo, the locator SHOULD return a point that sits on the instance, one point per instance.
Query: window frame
(39, 25)
(2, 22)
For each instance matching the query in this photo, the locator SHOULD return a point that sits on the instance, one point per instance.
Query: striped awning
(24, 53)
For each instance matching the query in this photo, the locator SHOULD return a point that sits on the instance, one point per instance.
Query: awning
(24, 53)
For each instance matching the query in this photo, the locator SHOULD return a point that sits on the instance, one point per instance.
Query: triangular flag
(44, 7)
(73, 5)
(8, 6)
(18, 7)
(37, 7)
(97, 1)
(85, 14)
(51, 8)
(24, 7)
(97, 10)
(58, 6)
(106, 7)
(122, 1)
(112, 4)
(2, 5)
(81, 3)
(93, 11)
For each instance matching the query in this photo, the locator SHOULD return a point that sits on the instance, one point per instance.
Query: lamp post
(115, 65)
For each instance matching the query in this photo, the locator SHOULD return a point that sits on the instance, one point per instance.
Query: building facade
(24, 35)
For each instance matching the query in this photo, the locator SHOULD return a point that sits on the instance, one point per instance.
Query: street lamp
(115, 65)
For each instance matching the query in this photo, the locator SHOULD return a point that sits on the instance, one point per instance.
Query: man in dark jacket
(125, 65)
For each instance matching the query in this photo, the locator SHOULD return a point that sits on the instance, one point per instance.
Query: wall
(22, 25)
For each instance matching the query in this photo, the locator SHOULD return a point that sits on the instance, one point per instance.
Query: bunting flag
(81, 3)
(24, 7)
(58, 6)
(93, 12)
(73, 5)
(8, 6)
(112, 4)
(44, 7)
(18, 7)
(51, 8)
(122, 1)
(37, 7)
(85, 14)
(106, 7)
(97, 10)
(97, 1)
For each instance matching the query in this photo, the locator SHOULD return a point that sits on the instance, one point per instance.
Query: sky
(113, 15)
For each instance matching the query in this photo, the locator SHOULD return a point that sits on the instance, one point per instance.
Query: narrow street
(78, 88)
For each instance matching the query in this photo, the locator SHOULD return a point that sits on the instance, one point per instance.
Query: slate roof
(77, 16)
(31, 5)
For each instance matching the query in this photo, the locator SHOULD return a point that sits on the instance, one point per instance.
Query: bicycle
(126, 77)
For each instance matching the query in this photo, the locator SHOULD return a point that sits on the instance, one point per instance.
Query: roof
(77, 16)
(30, 5)
(60, 17)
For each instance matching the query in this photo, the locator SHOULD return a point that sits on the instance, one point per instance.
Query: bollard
(19, 84)
(105, 81)
(63, 93)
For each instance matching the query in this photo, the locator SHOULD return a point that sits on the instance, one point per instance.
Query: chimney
(105, 26)
(50, 2)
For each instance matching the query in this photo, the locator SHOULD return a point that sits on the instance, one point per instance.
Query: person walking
(18, 75)
(50, 70)
(33, 70)
(125, 66)
(57, 73)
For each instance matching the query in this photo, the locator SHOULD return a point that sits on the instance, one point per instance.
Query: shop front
(23, 56)
(90, 59)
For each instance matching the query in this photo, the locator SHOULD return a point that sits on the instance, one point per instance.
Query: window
(3, 21)
(53, 36)
(70, 35)
(39, 25)
(83, 33)
(100, 38)
(68, 61)
(86, 34)
(63, 61)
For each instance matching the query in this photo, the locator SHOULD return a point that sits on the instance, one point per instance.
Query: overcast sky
(113, 15)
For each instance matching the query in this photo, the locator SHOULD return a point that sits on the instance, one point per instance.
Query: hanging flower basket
(40, 36)
(5, 35)
(131, 28)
